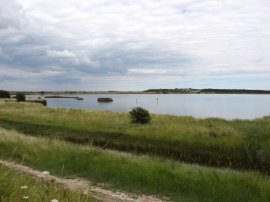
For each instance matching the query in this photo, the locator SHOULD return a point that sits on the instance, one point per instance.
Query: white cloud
(60, 54)
(148, 71)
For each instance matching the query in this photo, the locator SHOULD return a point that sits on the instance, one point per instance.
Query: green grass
(147, 175)
(241, 144)
(38, 101)
(15, 185)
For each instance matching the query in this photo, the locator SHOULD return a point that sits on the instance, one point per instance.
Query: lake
(226, 106)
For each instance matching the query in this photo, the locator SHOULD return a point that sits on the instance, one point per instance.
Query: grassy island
(105, 99)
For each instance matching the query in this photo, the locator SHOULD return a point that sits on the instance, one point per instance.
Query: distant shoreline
(239, 92)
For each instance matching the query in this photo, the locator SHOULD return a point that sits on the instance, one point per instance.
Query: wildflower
(45, 172)
(54, 200)
(25, 197)
(24, 187)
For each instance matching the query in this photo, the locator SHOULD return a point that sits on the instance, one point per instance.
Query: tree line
(208, 90)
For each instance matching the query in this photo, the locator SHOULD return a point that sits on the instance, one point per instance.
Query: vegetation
(141, 175)
(42, 93)
(105, 99)
(234, 91)
(16, 186)
(58, 96)
(39, 101)
(140, 115)
(241, 144)
(207, 91)
(4, 94)
(20, 97)
(153, 91)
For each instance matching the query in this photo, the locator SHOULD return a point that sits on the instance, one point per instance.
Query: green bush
(20, 97)
(4, 94)
(139, 115)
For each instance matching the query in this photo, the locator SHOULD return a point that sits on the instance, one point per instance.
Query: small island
(105, 99)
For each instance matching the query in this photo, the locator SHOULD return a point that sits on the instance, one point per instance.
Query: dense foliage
(4, 94)
(139, 115)
(20, 97)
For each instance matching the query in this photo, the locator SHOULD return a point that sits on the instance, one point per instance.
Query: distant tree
(20, 97)
(139, 115)
(4, 94)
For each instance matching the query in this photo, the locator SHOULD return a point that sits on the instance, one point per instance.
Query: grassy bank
(241, 144)
(15, 186)
(38, 101)
(180, 182)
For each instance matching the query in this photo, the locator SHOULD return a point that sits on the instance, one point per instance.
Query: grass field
(17, 187)
(141, 175)
(240, 144)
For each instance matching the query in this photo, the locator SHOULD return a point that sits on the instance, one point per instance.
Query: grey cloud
(128, 38)
(11, 14)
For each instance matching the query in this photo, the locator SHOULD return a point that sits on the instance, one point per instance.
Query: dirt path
(81, 185)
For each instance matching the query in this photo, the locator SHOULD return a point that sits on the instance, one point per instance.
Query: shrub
(139, 115)
(4, 94)
(20, 97)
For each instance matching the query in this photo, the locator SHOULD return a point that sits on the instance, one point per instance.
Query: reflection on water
(196, 105)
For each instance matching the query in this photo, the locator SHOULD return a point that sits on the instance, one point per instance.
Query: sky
(98, 45)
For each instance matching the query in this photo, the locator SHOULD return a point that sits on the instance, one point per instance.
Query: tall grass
(148, 175)
(241, 144)
(16, 187)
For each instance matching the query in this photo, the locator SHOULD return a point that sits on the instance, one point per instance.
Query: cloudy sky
(134, 44)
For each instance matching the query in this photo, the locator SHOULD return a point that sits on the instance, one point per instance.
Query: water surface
(196, 105)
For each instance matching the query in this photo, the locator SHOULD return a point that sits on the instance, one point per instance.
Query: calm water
(196, 105)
